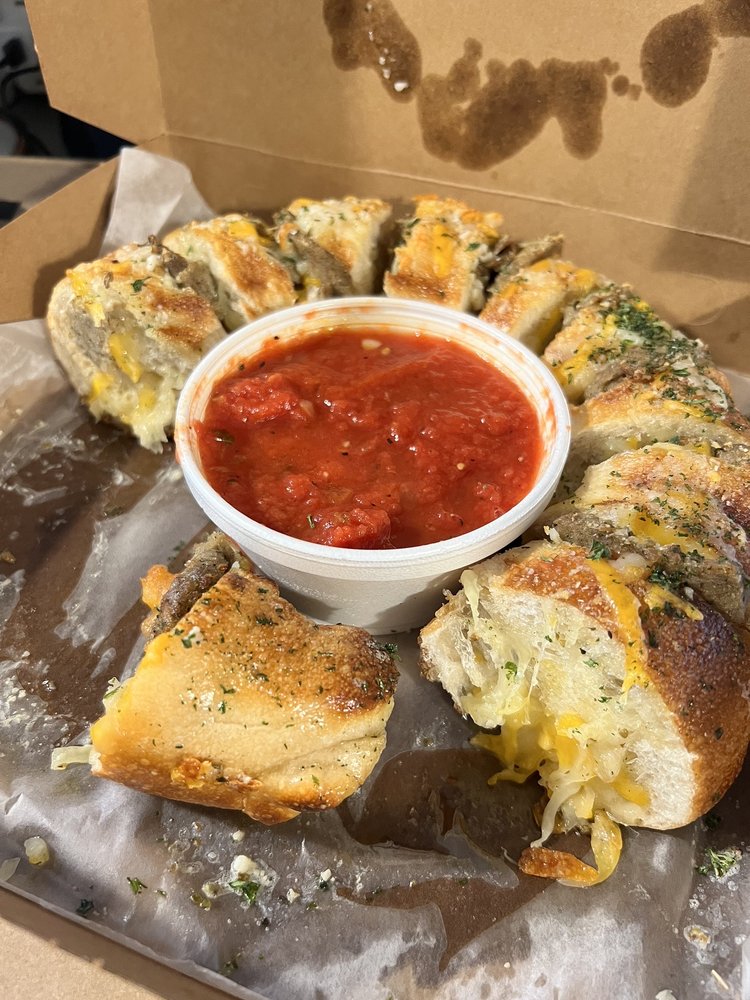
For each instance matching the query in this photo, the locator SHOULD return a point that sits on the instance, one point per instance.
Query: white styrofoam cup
(383, 590)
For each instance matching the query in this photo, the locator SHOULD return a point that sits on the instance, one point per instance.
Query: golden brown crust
(255, 273)
(634, 399)
(529, 303)
(238, 253)
(154, 585)
(702, 671)
(546, 863)
(442, 253)
(343, 229)
(128, 329)
(564, 574)
(699, 666)
(134, 278)
(336, 664)
(246, 704)
(421, 283)
(682, 510)
(632, 413)
(614, 333)
(667, 468)
(191, 318)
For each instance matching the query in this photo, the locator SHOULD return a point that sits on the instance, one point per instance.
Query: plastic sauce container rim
(249, 340)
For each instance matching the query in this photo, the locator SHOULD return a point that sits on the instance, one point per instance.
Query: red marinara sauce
(369, 440)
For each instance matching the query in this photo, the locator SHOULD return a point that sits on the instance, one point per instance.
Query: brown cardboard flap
(50, 237)
(698, 282)
(635, 108)
(99, 63)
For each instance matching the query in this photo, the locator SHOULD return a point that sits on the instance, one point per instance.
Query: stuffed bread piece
(244, 262)
(685, 513)
(689, 406)
(333, 244)
(128, 329)
(241, 702)
(612, 333)
(532, 291)
(627, 699)
(445, 255)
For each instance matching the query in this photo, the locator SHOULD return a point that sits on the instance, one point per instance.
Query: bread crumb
(36, 850)
(242, 865)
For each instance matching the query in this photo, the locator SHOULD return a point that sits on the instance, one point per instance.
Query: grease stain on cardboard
(622, 87)
(479, 124)
(373, 35)
(677, 52)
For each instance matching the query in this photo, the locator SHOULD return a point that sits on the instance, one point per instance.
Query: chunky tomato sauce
(369, 440)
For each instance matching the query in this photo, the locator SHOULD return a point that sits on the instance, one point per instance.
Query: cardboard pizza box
(623, 126)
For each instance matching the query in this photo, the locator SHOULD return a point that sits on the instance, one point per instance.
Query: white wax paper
(424, 899)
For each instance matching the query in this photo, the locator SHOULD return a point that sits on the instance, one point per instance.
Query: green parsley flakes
(719, 863)
(599, 550)
(391, 648)
(249, 890)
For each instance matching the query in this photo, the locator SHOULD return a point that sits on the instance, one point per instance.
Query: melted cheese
(241, 229)
(711, 396)
(154, 586)
(80, 285)
(99, 385)
(147, 407)
(606, 844)
(630, 790)
(580, 754)
(656, 597)
(187, 774)
(311, 289)
(568, 371)
(146, 400)
(530, 738)
(579, 280)
(583, 802)
(521, 745)
(626, 606)
(646, 527)
(529, 305)
(569, 720)
(82, 290)
(124, 349)
(443, 246)
(104, 732)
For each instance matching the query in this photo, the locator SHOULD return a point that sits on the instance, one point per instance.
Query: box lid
(637, 109)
